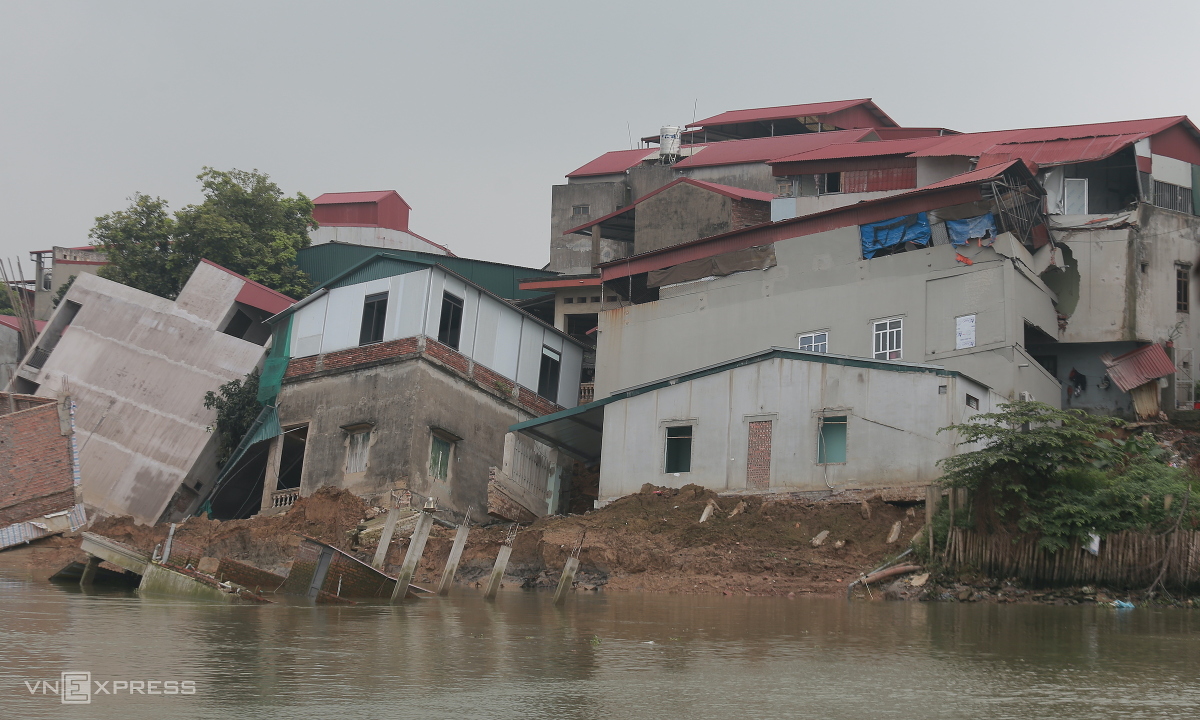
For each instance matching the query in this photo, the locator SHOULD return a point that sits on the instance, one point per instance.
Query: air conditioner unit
(1026, 397)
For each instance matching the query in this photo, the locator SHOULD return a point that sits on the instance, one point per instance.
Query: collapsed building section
(138, 367)
(39, 477)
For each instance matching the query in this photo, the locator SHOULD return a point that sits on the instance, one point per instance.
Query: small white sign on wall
(964, 332)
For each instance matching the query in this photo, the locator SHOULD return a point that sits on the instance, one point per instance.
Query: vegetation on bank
(1063, 475)
(245, 224)
(237, 406)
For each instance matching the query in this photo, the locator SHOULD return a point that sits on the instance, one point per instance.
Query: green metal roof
(327, 261)
(373, 268)
(578, 431)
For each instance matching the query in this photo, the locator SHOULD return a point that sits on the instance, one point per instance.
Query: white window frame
(1077, 182)
(892, 338)
(814, 346)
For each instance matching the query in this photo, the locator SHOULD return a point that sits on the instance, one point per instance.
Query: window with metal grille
(972, 402)
(548, 374)
(815, 342)
(374, 313)
(888, 339)
(356, 451)
(450, 325)
(439, 457)
(831, 439)
(1182, 290)
(679, 449)
(581, 210)
(1173, 197)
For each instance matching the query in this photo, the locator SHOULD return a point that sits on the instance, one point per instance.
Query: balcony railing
(285, 498)
(587, 392)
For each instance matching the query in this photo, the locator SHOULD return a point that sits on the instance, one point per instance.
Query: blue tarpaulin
(961, 231)
(886, 233)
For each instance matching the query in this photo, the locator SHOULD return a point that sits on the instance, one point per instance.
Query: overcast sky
(472, 111)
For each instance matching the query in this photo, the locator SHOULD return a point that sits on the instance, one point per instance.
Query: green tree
(62, 290)
(245, 224)
(237, 406)
(137, 241)
(1062, 474)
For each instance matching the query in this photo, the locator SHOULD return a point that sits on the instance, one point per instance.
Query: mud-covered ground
(652, 541)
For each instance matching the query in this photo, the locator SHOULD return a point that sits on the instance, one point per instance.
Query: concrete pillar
(271, 480)
(89, 571)
(567, 580)
(498, 572)
(167, 546)
(416, 546)
(595, 246)
(456, 551)
(385, 539)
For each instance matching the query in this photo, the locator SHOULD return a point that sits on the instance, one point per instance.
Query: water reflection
(600, 656)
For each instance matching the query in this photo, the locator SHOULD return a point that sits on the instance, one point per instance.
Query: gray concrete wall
(138, 366)
(10, 353)
(822, 283)
(572, 254)
(892, 438)
(748, 176)
(678, 215)
(404, 401)
(936, 169)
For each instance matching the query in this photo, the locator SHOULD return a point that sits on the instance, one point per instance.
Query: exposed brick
(357, 579)
(535, 403)
(750, 212)
(448, 355)
(487, 378)
(249, 576)
(36, 472)
(758, 456)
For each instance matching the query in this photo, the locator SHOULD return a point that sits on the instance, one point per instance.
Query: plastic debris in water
(1123, 604)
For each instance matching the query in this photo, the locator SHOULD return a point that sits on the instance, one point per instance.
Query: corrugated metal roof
(338, 198)
(726, 190)
(617, 161)
(780, 112)
(952, 191)
(326, 261)
(1139, 366)
(384, 267)
(732, 152)
(11, 321)
(861, 149)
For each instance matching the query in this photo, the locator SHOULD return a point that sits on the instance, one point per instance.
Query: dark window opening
(1182, 273)
(450, 326)
(679, 449)
(830, 183)
(579, 325)
(374, 313)
(238, 324)
(548, 374)
(972, 402)
(568, 301)
(291, 461)
(1050, 362)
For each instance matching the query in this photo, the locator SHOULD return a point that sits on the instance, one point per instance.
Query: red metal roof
(1053, 145)
(951, 191)
(338, 198)
(732, 152)
(726, 190)
(861, 149)
(12, 321)
(564, 282)
(1139, 366)
(781, 112)
(617, 161)
(257, 295)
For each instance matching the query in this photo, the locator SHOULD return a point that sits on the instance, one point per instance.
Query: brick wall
(750, 212)
(36, 475)
(357, 578)
(249, 576)
(444, 355)
(20, 402)
(758, 456)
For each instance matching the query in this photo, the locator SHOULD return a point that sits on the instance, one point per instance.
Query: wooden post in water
(416, 546)
(456, 551)
(501, 564)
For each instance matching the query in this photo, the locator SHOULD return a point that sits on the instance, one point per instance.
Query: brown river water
(599, 656)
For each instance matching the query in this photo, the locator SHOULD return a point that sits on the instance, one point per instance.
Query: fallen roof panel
(1139, 366)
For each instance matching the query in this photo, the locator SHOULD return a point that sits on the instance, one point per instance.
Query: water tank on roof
(669, 141)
